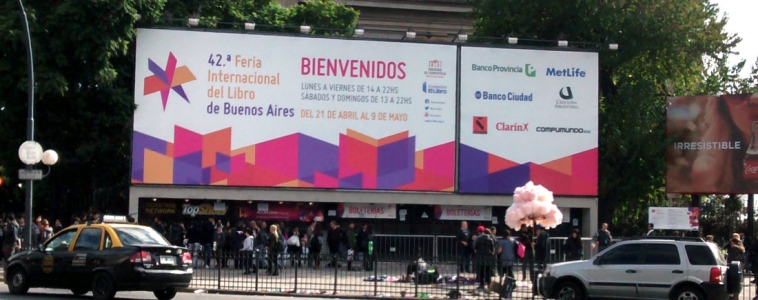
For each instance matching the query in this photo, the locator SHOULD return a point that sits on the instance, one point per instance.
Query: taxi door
(54, 255)
(86, 248)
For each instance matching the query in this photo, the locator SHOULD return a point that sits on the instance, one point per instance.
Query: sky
(741, 14)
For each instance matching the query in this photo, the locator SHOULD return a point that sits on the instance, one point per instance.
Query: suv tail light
(140, 257)
(715, 275)
(186, 258)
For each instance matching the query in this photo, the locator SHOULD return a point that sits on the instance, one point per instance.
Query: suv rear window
(703, 255)
(140, 236)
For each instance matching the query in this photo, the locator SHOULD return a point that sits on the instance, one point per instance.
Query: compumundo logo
(165, 80)
(434, 89)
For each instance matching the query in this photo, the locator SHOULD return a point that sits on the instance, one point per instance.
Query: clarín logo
(567, 99)
(528, 69)
(165, 80)
(434, 89)
(480, 125)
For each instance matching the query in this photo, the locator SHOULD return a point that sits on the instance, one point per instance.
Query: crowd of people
(255, 245)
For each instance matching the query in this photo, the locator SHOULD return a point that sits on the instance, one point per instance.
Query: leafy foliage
(84, 70)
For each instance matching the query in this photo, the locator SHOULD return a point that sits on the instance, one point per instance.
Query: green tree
(662, 45)
(84, 69)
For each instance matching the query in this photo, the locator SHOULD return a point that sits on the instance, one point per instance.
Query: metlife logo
(527, 70)
(565, 72)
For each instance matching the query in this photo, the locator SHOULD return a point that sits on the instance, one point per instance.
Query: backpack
(315, 243)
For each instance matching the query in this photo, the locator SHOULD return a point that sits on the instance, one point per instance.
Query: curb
(252, 293)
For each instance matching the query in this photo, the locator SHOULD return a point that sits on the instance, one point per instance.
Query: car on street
(645, 268)
(103, 258)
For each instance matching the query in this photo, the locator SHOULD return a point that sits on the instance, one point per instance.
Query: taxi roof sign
(115, 219)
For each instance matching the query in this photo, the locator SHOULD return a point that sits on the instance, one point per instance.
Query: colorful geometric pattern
(484, 173)
(164, 80)
(296, 160)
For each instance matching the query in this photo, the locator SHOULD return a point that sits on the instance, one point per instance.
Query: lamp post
(30, 151)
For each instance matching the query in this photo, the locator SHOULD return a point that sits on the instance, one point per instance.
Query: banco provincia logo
(528, 69)
(165, 80)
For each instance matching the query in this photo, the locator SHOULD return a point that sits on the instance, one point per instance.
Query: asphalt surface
(43, 294)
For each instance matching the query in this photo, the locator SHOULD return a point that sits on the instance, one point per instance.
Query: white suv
(645, 268)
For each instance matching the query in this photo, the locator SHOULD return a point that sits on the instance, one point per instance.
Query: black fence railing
(388, 276)
(355, 277)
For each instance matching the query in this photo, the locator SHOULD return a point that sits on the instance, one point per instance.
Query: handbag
(520, 250)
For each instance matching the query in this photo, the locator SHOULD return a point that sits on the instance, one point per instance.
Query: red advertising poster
(712, 148)
(288, 211)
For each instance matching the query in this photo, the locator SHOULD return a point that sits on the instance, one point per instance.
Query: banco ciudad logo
(165, 80)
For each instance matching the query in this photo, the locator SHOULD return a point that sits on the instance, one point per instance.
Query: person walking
(736, 253)
(315, 245)
(602, 238)
(525, 239)
(506, 249)
(275, 247)
(573, 246)
(247, 252)
(485, 248)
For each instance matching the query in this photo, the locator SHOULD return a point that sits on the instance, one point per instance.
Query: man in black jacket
(334, 237)
(464, 255)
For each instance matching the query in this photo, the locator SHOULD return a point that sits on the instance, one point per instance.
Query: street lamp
(30, 151)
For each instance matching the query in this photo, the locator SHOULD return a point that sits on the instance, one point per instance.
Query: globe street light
(30, 151)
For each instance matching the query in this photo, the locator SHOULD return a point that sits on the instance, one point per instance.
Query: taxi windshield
(140, 236)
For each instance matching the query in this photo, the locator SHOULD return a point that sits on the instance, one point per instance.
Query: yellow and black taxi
(103, 258)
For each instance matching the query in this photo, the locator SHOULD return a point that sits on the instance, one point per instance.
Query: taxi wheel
(79, 290)
(18, 283)
(166, 294)
(103, 287)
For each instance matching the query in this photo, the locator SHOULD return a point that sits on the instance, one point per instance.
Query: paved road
(45, 294)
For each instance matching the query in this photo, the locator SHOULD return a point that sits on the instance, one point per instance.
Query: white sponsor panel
(463, 213)
(265, 87)
(367, 211)
(674, 218)
(536, 108)
(540, 105)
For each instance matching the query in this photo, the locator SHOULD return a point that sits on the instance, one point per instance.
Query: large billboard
(528, 115)
(255, 110)
(712, 148)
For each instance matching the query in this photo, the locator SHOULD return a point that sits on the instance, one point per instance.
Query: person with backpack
(485, 248)
(315, 245)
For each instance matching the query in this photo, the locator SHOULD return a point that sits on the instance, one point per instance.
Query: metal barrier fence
(381, 276)
(386, 274)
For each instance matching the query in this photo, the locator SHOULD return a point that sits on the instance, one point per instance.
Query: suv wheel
(568, 290)
(687, 293)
